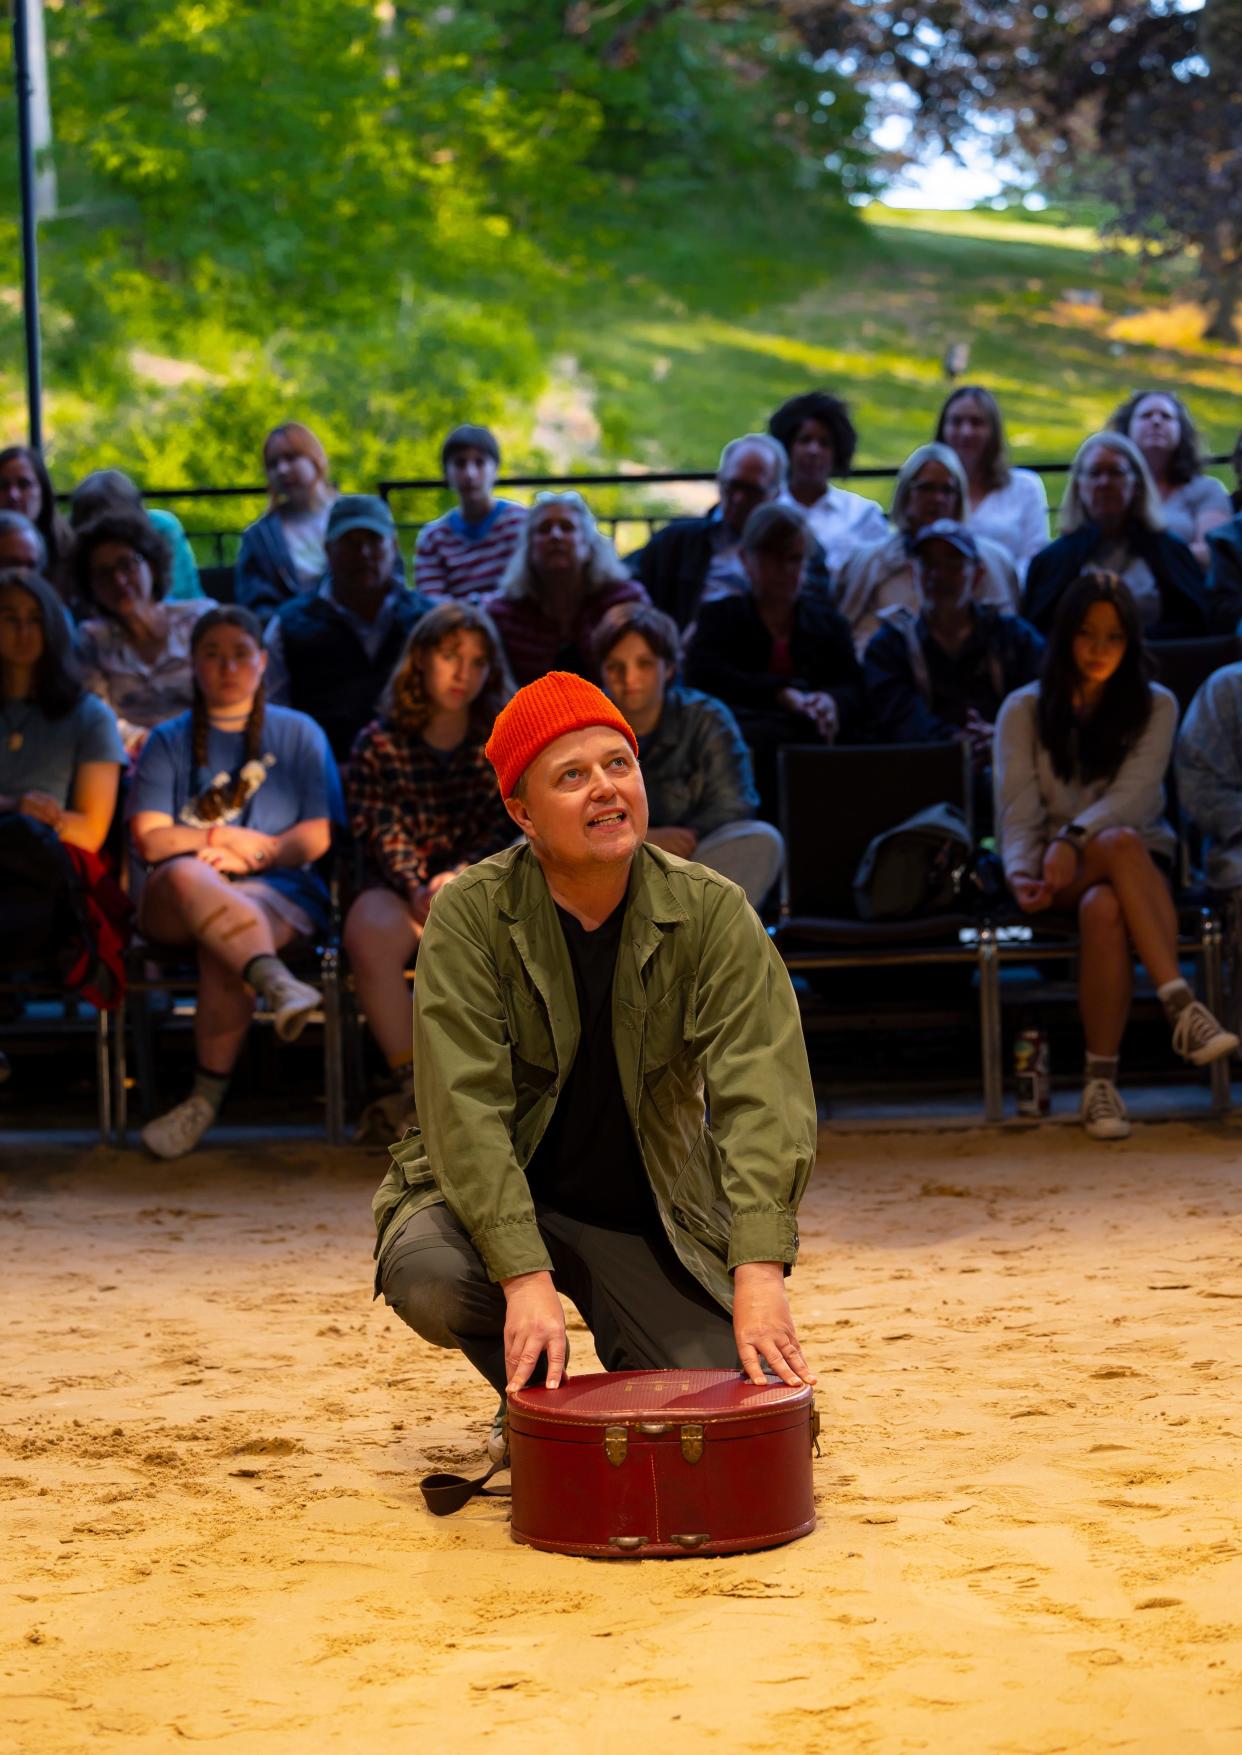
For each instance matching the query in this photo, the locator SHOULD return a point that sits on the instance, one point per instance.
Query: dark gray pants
(643, 1308)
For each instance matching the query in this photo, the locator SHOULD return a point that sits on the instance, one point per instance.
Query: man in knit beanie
(581, 1000)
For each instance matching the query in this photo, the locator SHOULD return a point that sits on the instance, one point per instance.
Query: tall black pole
(30, 244)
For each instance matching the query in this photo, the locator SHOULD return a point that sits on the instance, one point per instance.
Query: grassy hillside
(668, 385)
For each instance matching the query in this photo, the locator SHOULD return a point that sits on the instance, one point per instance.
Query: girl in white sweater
(1079, 775)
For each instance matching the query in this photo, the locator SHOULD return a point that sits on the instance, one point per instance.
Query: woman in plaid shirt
(422, 806)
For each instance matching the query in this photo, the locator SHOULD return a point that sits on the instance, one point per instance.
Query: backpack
(919, 867)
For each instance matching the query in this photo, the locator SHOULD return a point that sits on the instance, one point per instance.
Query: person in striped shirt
(465, 553)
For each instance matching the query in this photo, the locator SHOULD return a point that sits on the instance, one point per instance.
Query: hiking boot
(498, 1438)
(1197, 1036)
(386, 1119)
(179, 1131)
(1102, 1112)
(290, 1002)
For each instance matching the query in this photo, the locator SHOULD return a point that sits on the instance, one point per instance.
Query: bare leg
(187, 901)
(1105, 978)
(379, 935)
(1117, 857)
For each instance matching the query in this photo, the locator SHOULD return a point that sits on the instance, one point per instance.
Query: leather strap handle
(445, 1494)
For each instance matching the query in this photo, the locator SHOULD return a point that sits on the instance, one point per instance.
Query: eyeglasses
(127, 566)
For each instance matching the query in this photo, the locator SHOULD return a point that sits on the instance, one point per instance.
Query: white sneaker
(498, 1438)
(291, 1003)
(178, 1132)
(1197, 1036)
(1102, 1112)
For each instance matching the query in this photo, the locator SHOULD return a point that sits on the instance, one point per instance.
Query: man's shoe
(179, 1131)
(386, 1119)
(1102, 1111)
(1198, 1037)
(498, 1438)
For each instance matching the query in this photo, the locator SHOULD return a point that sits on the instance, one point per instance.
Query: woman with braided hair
(231, 805)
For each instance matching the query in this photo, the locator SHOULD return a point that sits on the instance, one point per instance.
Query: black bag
(920, 867)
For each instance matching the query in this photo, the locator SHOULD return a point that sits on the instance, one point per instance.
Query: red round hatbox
(642, 1464)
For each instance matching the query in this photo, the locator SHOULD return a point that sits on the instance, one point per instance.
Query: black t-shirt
(587, 1165)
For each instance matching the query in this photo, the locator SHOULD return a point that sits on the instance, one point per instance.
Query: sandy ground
(1029, 1540)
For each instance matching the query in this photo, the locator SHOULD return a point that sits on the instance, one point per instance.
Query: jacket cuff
(763, 1236)
(512, 1248)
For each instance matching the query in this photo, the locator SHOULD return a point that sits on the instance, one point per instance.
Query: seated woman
(22, 548)
(60, 767)
(1080, 762)
(134, 642)
(931, 484)
(563, 578)
(423, 805)
(111, 490)
(26, 487)
(780, 657)
(231, 805)
(819, 440)
(282, 553)
(1193, 503)
(1111, 521)
(1007, 505)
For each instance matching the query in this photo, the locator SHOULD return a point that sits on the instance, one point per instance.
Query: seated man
(465, 553)
(695, 560)
(701, 796)
(330, 652)
(779, 655)
(564, 1144)
(946, 670)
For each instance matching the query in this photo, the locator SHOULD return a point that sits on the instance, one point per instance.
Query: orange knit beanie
(539, 714)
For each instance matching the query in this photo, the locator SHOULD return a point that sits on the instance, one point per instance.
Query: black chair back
(833, 802)
(1183, 666)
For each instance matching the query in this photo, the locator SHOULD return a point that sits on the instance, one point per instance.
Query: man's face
(471, 474)
(361, 561)
(945, 573)
(750, 479)
(636, 678)
(583, 804)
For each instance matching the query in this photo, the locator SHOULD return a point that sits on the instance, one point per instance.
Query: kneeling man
(582, 1001)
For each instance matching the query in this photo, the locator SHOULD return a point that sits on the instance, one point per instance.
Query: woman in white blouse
(1007, 505)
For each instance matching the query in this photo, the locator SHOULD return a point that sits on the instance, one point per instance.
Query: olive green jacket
(701, 1002)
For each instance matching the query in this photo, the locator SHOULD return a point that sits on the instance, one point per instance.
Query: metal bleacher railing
(628, 506)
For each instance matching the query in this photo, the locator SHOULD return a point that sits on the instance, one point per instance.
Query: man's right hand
(534, 1324)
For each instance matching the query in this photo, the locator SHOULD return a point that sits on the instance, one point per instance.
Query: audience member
(1224, 581)
(423, 806)
(331, 650)
(1235, 498)
(1161, 428)
(1209, 784)
(60, 766)
(1007, 505)
(696, 560)
(22, 548)
(282, 553)
(563, 576)
(465, 553)
(134, 640)
(931, 484)
(944, 672)
(111, 490)
(696, 769)
(819, 441)
(26, 487)
(1079, 772)
(779, 656)
(1111, 521)
(231, 806)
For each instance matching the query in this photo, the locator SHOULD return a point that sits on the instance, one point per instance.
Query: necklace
(16, 734)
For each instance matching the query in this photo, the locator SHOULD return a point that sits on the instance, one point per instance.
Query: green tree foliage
(369, 212)
(1135, 102)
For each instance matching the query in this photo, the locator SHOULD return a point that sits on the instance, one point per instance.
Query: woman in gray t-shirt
(1193, 503)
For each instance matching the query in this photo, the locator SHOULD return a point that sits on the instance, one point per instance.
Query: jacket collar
(524, 892)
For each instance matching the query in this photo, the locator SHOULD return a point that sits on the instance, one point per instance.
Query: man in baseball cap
(578, 998)
(331, 651)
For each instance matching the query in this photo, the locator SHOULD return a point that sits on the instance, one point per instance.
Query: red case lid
(603, 1396)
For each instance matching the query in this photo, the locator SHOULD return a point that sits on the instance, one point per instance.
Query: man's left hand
(763, 1327)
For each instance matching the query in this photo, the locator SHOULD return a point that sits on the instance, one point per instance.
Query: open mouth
(610, 819)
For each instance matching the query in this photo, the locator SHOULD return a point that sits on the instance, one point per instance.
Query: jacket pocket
(668, 1026)
(530, 1039)
(697, 1204)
